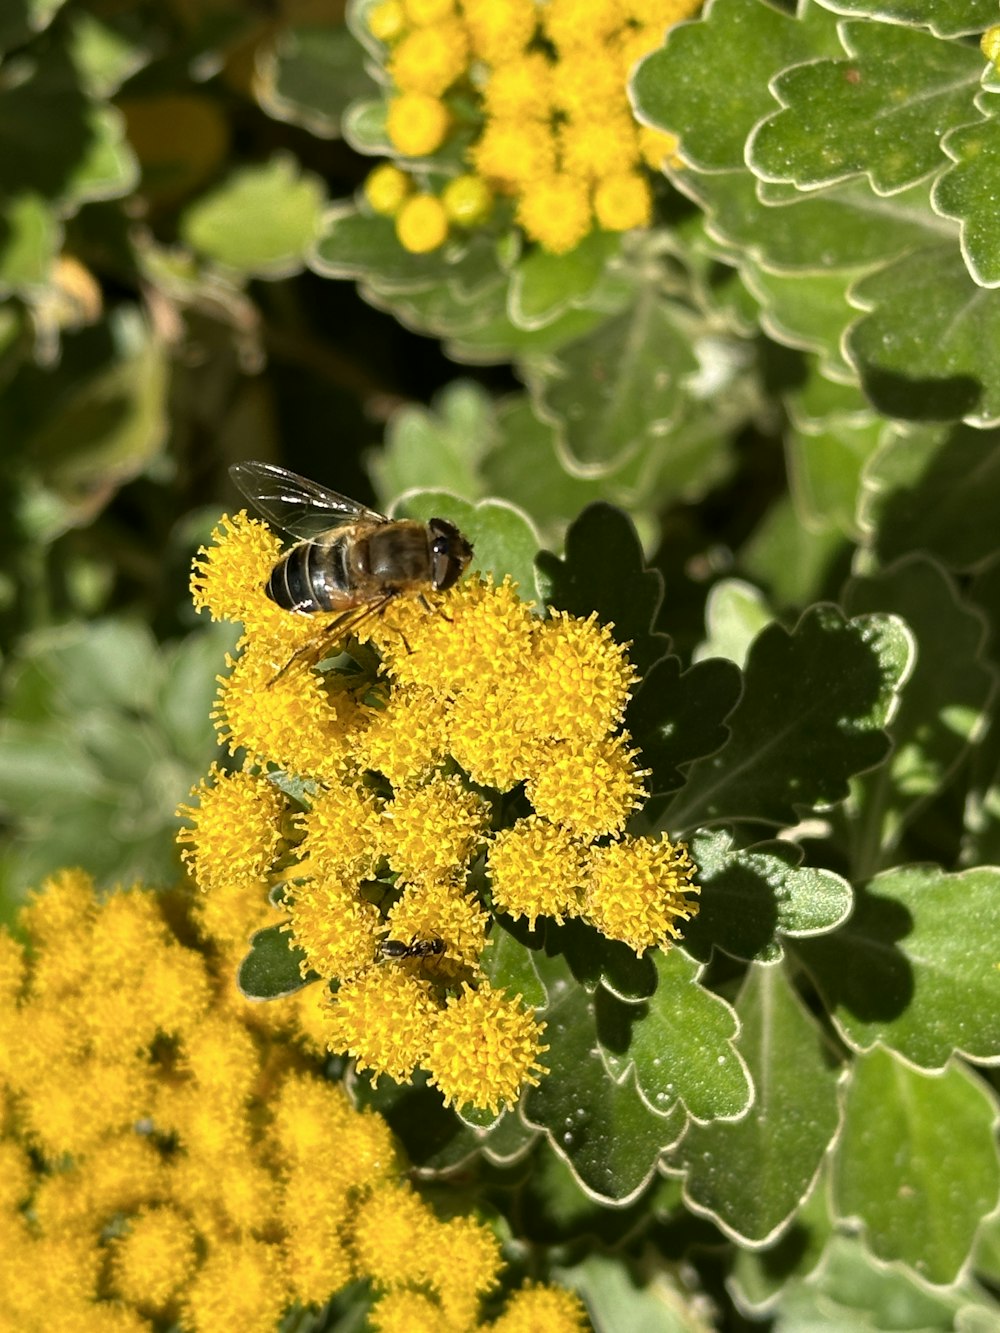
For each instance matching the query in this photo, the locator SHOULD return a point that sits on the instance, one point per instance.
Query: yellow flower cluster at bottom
(172, 1155)
(480, 763)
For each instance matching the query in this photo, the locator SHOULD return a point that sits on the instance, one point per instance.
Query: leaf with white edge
(271, 968)
(917, 1163)
(311, 76)
(968, 193)
(508, 965)
(762, 1280)
(933, 488)
(807, 310)
(604, 571)
(925, 350)
(881, 111)
(751, 896)
(750, 1176)
(608, 394)
(441, 447)
(617, 1305)
(595, 960)
(601, 1127)
(503, 538)
(677, 717)
(943, 707)
(681, 1042)
(262, 220)
(842, 227)
(709, 84)
(915, 968)
(946, 18)
(735, 613)
(543, 285)
(814, 707)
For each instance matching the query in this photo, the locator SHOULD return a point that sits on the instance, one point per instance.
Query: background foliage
(789, 382)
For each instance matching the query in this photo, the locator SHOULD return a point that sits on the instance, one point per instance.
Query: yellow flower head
(155, 1258)
(513, 154)
(429, 59)
(341, 834)
(438, 911)
(235, 829)
(229, 577)
(428, 11)
(595, 148)
(394, 1233)
(240, 1285)
(407, 740)
(387, 21)
(535, 1307)
(431, 832)
(571, 24)
(467, 200)
(637, 890)
(500, 29)
(333, 926)
(555, 211)
(467, 1267)
(623, 200)
(485, 1047)
(536, 869)
(403, 1310)
(417, 123)
(659, 148)
(385, 188)
(383, 1019)
(520, 89)
(593, 807)
(422, 224)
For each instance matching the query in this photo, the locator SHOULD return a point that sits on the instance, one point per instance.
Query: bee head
(450, 553)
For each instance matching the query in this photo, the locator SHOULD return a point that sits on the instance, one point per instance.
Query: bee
(348, 560)
(415, 948)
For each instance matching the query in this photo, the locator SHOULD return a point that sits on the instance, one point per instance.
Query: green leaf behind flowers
(271, 968)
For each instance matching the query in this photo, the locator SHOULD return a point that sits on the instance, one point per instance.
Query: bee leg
(435, 610)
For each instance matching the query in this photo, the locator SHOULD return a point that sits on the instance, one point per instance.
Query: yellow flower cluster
(395, 820)
(172, 1156)
(555, 132)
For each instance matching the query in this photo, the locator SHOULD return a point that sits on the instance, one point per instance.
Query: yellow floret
(467, 200)
(333, 927)
(428, 11)
(484, 1048)
(341, 834)
(387, 21)
(536, 870)
(623, 200)
(417, 124)
(513, 153)
(587, 84)
(598, 148)
(385, 188)
(637, 890)
(240, 1285)
(394, 1230)
(235, 829)
(422, 224)
(407, 739)
(429, 59)
(537, 1307)
(571, 24)
(464, 1266)
(383, 1019)
(555, 211)
(488, 735)
(520, 89)
(431, 832)
(590, 788)
(155, 1258)
(659, 148)
(440, 911)
(500, 29)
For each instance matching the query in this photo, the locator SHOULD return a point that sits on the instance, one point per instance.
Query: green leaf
(617, 1305)
(601, 1127)
(947, 18)
(751, 896)
(310, 77)
(502, 537)
(508, 966)
(29, 239)
(881, 111)
(543, 285)
(925, 350)
(22, 19)
(709, 85)
(936, 489)
(681, 1043)
(814, 706)
(104, 54)
(271, 968)
(677, 717)
(441, 448)
(807, 310)
(825, 468)
(943, 707)
(262, 220)
(966, 193)
(735, 613)
(793, 565)
(915, 967)
(917, 1163)
(611, 392)
(751, 1176)
(604, 571)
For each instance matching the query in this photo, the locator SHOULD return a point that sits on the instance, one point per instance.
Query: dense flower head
(555, 131)
(237, 1181)
(454, 756)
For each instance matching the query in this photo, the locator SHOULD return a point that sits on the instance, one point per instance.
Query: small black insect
(415, 948)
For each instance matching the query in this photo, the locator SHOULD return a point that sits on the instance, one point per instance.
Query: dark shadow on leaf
(921, 399)
(738, 914)
(615, 1020)
(593, 958)
(860, 967)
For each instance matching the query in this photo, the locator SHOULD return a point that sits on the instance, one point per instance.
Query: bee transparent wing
(295, 505)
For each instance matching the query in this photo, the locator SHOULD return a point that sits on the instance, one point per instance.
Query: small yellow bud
(467, 200)
(422, 224)
(416, 123)
(623, 200)
(385, 189)
(387, 21)
(990, 43)
(421, 12)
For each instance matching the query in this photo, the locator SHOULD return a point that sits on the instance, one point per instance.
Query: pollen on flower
(595, 806)
(431, 832)
(556, 211)
(383, 1018)
(637, 890)
(234, 833)
(535, 1306)
(536, 869)
(484, 1048)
